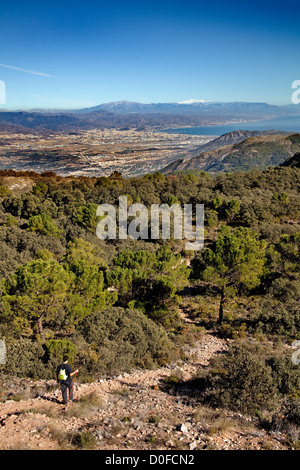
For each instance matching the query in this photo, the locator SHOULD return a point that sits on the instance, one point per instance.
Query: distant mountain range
(259, 151)
(128, 115)
(190, 107)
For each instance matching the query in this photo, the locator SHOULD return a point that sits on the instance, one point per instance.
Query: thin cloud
(32, 72)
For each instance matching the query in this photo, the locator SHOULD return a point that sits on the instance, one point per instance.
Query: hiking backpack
(62, 374)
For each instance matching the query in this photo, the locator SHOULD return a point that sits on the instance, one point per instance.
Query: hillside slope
(231, 138)
(258, 152)
(293, 162)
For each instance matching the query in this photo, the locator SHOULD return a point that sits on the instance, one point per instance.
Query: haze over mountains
(187, 107)
(126, 114)
(191, 106)
(237, 150)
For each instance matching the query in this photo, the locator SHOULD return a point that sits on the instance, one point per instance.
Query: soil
(131, 411)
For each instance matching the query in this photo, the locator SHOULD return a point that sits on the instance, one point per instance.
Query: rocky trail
(131, 411)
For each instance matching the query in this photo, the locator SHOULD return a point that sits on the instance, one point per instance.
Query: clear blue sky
(77, 54)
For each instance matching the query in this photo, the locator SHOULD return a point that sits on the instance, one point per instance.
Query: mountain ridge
(293, 162)
(230, 138)
(193, 107)
(141, 116)
(258, 151)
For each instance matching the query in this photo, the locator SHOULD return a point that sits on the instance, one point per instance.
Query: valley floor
(95, 153)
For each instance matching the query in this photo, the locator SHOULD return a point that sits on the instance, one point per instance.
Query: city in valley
(94, 152)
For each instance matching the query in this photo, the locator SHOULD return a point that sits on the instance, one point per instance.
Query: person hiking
(63, 377)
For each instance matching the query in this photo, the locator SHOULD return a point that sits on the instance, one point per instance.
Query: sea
(286, 124)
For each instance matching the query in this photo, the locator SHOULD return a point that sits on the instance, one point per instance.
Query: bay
(286, 124)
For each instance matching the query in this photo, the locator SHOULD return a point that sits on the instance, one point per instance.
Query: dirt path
(21, 423)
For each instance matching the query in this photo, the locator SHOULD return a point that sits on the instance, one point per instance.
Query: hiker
(63, 377)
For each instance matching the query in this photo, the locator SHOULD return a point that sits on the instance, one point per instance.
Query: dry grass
(86, 406)
(62, 438)
(218, 421)
(51, 411)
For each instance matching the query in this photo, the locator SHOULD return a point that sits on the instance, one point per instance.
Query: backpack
(62, 374)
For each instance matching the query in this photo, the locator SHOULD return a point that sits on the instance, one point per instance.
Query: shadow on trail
(51, 399)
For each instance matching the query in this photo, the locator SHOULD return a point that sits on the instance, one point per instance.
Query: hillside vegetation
(116, 305)
(260, 152)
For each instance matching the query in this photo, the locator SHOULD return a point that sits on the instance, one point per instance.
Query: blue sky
(79, 54)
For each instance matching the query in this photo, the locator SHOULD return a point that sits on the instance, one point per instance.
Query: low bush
(249, 378)
(120, 339)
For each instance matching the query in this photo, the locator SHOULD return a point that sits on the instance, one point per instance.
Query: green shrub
(286, 375)
(153, 419)
(249, 378)
(86, 217)
(121, 339)
(43, 224)
(57, 348)
(287, 420)
(84, 440)
(291, 411)
(25, 358)
(279, 310)
(4, 190)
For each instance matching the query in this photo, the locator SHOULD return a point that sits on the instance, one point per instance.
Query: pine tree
(235, 261)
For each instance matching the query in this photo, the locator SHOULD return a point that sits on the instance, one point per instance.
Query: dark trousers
(65, 386)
